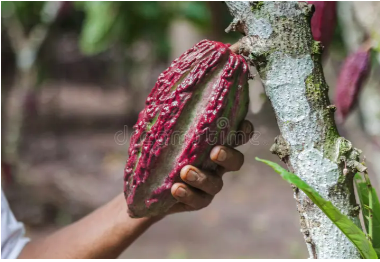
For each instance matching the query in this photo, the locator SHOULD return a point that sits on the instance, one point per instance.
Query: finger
(220, 171)
(244, 133)
(229, 158)
(205, 181)
(193, 198)
(179, 207)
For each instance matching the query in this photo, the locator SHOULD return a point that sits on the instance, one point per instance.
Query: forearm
(104, 233)
(107, 231)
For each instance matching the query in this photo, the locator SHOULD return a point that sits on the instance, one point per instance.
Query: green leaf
(363, 192)
(362, 189)
(27, 12)
(97, 27)
(376, 221)
(7, 8)
(353, 233)
(198, 13)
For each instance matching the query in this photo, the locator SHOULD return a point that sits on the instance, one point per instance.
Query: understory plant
(366, 241)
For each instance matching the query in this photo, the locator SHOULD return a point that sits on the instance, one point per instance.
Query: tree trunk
(278, 41)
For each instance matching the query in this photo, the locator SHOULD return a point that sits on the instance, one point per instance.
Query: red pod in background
(195, 104)
(323, 21)
(353, 73)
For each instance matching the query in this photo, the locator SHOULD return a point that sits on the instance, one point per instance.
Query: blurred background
(75, 74)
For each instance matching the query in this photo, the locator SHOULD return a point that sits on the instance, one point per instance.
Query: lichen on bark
(278, 41)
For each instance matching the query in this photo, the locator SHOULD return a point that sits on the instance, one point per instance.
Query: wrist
(126, 222)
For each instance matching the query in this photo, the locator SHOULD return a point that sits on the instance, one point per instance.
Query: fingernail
(222, 155)
(191, 175)
(180, 192)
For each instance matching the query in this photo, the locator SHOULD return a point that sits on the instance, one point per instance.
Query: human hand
(200, 186)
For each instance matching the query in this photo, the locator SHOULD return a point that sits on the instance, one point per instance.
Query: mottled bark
(278, 41)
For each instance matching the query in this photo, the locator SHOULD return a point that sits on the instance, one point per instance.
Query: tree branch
(278, 41)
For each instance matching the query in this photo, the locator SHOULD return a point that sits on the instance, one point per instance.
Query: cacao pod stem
(235, 48)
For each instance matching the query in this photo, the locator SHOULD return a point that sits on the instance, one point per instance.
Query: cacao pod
(323, 21)
(353, 73)
(195, 104)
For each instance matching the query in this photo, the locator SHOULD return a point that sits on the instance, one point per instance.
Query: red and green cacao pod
(323, 21)
(352, 76)
(197, 103)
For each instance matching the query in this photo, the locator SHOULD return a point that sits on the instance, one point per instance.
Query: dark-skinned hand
(200, 186)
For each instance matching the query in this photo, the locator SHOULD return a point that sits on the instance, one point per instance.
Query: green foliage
(27, 12)
(353, 233)
(375, 56)
(122, 23)
(107, 23)
(98, 26)
(196, 12)
(6, 8)
(370, 206)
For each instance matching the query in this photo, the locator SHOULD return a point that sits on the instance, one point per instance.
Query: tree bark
(279, 43)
